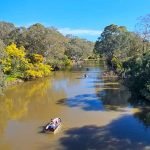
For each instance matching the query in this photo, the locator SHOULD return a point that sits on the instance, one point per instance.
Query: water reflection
(115, 95)
(112, 94)
(65, 79)
(123, 133)
(87, 102)
(26, 101)
(143, 115)
(89, 108)
(137, 101)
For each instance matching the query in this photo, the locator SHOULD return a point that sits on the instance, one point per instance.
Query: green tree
(5, 29)
(49, 43)
(117, 44)
(137, 70)
(110, 40)
(17, 36)
(2, 55)
(78, 48)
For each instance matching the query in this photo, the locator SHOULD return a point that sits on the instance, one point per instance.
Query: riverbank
(100, 106)
(10, 81)
(110, 74)
(13, 81)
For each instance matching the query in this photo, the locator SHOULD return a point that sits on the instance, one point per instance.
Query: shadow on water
(116, 97)
(41, 130)
(97, 102)
(137, 101)
(122, 134)
(106, 99)
(143, 116)
(108, 95)
(87, 102)
(143, 113)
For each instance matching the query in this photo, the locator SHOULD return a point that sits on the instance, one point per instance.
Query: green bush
(137, 70)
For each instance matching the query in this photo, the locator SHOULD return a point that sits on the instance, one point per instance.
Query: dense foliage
(116, 43)
(32, 52)
(49, 43)
(76, 48)
(2, 55)
(18, 65)
(5, 29)
(137, 71)
(128, 54)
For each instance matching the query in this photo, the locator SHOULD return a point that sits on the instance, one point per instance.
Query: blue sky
(83, 18)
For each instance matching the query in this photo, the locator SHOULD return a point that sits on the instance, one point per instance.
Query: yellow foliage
(44, 68)
(7, 65)
(15, 58)
(17, 62)
(33, 73)
(37, 58)
(13, 51)
(38, 70)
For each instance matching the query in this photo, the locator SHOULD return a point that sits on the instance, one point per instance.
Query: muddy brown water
(95, 112)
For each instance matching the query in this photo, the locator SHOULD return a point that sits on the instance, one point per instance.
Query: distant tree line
(33, 52)
(128, 54)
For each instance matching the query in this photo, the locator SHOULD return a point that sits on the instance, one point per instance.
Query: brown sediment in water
(86, 110)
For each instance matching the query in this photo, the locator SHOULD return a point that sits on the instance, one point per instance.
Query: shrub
(19, 66)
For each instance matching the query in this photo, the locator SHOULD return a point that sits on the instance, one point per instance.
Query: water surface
(96, 114)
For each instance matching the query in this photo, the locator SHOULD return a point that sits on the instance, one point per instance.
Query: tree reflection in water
(143, 115)
(37, 100)
(27, 101)
(112, 94)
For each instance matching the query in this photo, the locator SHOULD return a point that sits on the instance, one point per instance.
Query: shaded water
(95, 111)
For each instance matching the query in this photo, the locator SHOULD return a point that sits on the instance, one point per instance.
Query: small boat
(53, 125)
(85, 76)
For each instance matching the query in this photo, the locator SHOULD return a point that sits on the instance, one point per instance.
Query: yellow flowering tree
(37, 68)
(15, 63)
(18, 65)
(36, 58)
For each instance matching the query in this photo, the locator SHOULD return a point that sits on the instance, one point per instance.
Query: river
(96, 112)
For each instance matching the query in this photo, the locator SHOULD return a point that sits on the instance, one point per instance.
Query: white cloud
(77, 32)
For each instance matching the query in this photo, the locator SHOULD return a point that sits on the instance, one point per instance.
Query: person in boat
(85, 75)
(50, 126)
(53, 124)
(56, 120)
